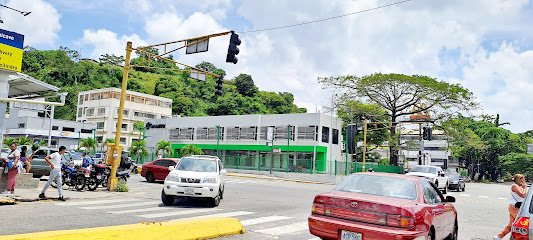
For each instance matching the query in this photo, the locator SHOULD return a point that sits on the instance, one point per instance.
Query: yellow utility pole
(365, 123)
(117, 148)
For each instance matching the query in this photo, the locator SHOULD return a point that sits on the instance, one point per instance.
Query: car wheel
(214, 202)
(37, 176)
(150, 177)
(445, 190)
(464, 186)
(431, 235)
(222, 193)
(453, 235)
(166, 199)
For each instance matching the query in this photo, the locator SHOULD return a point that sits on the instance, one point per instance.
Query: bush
(122, 186)
(384, 161)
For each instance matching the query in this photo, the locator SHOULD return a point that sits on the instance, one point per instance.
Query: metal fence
(261, 163)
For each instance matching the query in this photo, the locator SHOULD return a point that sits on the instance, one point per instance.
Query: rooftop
(101, 90)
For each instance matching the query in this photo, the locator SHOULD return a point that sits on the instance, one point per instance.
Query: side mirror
(223, 171)
(171, 168)
(442, 174)
(450, 199)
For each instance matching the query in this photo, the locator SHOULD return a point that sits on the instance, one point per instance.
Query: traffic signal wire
(327, 19)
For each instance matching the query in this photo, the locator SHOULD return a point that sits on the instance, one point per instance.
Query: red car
(157, 169)
(378, 206)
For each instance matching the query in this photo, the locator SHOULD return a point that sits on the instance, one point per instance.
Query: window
(80, 112)
(136, 114)
(281, 132)
(379, 186)
(325, 134)
(248, 133)
(212, 133)
(86, 97)
(22, 125)
(125, 126)
(86, 131)
(181, 134)
(150, 116)
(201, 133)
(99, 139)
(161, 163)
(126, 112)
(55, 127)
(81, 99)
(430, 194)
(90, 112)
(335, 137)
(100, 125)
(233, 133)
(123, 140)
(68, 129)
(101, 111)
(307, 133)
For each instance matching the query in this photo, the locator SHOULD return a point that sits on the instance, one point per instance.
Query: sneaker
(6, 192)
(42, 196)
(62, 199)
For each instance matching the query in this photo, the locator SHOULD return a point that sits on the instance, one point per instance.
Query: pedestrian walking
(518, 192)
(54, 160)
(11, 165)
(26, 160)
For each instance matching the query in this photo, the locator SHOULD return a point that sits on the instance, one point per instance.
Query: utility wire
(327, 19)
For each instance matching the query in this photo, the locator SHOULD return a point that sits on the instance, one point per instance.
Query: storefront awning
(22, 85)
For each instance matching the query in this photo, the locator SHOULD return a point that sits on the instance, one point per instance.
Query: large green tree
(138, 149)
(245, 85)
(191, 149)
(403, 95)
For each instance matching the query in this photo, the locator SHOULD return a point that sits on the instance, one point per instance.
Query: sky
(484, 45)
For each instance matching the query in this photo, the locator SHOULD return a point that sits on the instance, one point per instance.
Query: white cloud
(104, 41)
(41, 27)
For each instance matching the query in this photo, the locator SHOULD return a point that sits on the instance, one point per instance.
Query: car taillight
(400, 221)
(318, 209)
(520, 229)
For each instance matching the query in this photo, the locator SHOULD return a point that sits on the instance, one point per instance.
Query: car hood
(420, 174)
(194, 174)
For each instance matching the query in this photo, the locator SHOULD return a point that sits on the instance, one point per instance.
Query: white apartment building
(100, 107)
(437, 149)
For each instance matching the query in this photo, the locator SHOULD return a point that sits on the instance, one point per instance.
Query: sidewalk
(290, 177)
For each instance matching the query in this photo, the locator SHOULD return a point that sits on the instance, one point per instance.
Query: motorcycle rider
(54, 160)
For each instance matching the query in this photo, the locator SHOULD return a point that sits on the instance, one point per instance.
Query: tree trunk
(392, 143)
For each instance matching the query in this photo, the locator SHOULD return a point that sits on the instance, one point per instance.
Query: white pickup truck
(433, 174)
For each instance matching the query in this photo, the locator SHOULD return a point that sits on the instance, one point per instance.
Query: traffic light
(218, 88)
(351, 140)
(233, 50)
(427, 133)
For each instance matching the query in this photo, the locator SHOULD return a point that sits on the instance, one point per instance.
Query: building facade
(100, 107)
(307, 142)
(435, 151)
(30, 122)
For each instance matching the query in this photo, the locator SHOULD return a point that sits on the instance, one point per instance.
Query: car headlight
(210, 180)
(173, 178)
(455, 182)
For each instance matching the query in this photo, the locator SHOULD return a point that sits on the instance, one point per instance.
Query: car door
(222, 172)
(158, 169)
(437, 209)
(441, 178)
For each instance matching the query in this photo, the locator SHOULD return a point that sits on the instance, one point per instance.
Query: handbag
(517, 204)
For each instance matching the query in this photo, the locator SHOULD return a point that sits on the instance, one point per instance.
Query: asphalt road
(269, 209)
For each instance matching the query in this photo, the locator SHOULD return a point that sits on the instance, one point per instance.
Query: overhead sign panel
(197, 46)
(11, 45)
(197, 75)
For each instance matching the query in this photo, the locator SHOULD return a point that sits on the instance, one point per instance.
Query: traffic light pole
(421, 144)
(365, 123)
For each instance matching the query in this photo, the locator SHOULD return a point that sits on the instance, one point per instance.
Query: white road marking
(287, 229)
(95, 202)
(228, 214)
(314, 238)
(483, 197)
(465, 195)
(142, 210)
(254, 221)
(178, 213)
(121, 205)
(501, 198)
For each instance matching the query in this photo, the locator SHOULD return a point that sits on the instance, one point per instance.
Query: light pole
(288, 142)
(218, 140)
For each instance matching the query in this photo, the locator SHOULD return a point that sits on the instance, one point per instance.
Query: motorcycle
(72, 177)
(98, 175)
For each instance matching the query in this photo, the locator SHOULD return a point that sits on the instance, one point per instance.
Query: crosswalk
(272, 226)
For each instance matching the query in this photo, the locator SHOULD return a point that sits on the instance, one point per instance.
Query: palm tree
(37, 145)
(109, 140)
(88, 144)
(191, 149)
(139, 126)
(165, 146)
(138, 149)
(25, 141)
(8, 141)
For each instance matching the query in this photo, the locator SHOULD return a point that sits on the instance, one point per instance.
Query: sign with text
(11, 45)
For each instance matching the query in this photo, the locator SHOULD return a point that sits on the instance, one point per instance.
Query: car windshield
(453, 176)
(379, 186)
(424, 169)
(197, 165)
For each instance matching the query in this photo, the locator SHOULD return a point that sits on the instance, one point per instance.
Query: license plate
(347, 235)
(189, 191)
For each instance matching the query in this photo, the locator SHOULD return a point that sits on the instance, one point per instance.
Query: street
(269, 209)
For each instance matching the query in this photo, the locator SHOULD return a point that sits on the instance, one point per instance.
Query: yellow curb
(274, 178)
(186, 230)
(7, 201)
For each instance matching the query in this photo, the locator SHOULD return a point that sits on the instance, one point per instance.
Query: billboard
(11, 45)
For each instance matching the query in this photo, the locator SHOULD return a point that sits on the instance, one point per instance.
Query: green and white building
(307, 142)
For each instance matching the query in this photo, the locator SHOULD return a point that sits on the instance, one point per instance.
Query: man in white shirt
(54, 161)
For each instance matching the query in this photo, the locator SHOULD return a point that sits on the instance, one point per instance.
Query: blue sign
(12, 39)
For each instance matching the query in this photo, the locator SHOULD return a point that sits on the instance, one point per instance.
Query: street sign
(11, 45)
(530, 148)
(270, 133)
(276, 150)
(197, 75)
(415, 145)
(200, 46)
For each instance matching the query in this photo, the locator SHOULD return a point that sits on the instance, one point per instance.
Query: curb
(243, 175)
(187, 230)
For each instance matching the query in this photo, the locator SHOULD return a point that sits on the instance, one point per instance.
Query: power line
(327, 19)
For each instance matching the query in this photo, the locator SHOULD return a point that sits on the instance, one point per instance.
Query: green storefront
(261, 157)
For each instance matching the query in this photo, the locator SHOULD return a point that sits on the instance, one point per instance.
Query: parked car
(39, 167)
(434, 174)
(98, 157)
(456, 182)
(376, 206)
(158, 169)
(198, 177)
(522, 229)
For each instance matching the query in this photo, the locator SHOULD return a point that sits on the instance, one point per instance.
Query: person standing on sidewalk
(55, 173)
(12, 167)
(518, 192)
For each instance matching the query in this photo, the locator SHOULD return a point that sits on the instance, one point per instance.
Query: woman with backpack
(11, 167)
